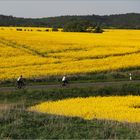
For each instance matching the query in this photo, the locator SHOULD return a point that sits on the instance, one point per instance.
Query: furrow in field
(111, 55)
(24, 47)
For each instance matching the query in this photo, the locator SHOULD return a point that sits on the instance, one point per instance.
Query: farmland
(17, 122)
(36, 53)
(96, 111)
(95, 108)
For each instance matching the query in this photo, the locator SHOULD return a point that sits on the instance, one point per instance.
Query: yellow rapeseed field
(35, 52)
(119, 108)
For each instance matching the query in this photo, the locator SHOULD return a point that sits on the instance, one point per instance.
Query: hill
(129, 20)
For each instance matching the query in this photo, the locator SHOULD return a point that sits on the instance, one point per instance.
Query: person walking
(130, 76)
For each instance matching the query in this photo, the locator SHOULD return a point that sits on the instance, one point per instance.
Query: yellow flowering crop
(120, 108)
(36, 53)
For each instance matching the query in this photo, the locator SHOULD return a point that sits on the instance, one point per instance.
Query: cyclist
(64, 81)
(20, 82)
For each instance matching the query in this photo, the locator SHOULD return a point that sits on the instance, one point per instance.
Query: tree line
(120, 21)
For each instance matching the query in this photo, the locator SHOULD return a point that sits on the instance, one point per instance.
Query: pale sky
(48, 8)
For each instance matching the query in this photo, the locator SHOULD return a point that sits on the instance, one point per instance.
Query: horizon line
(71, 15)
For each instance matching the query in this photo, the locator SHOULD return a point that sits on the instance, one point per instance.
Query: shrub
(47, 30)
(18, 29)
(55, 29)
(98, 29)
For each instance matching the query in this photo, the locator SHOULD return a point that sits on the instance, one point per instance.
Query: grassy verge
(38, 95)
(21, 124)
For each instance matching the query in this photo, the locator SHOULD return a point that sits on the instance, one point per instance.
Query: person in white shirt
(64, 81)
(20, 81)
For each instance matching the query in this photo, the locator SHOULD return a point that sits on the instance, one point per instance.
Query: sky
(49, 8)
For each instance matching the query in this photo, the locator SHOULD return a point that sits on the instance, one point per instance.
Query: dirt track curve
(72, 85)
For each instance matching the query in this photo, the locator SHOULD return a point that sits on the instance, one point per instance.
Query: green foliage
(98, 29)
(35, 96)
(127, 21)
(74, 27)
(26, 125)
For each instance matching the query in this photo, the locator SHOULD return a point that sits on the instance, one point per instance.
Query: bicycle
(20, 85)
(65, 83)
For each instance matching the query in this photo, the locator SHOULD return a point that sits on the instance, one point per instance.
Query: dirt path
(72, 85)
(6, 106)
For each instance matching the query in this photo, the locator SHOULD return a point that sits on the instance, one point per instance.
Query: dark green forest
(123, 21)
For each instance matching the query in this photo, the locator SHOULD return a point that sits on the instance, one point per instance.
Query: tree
(98, 29)
(74, 27)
